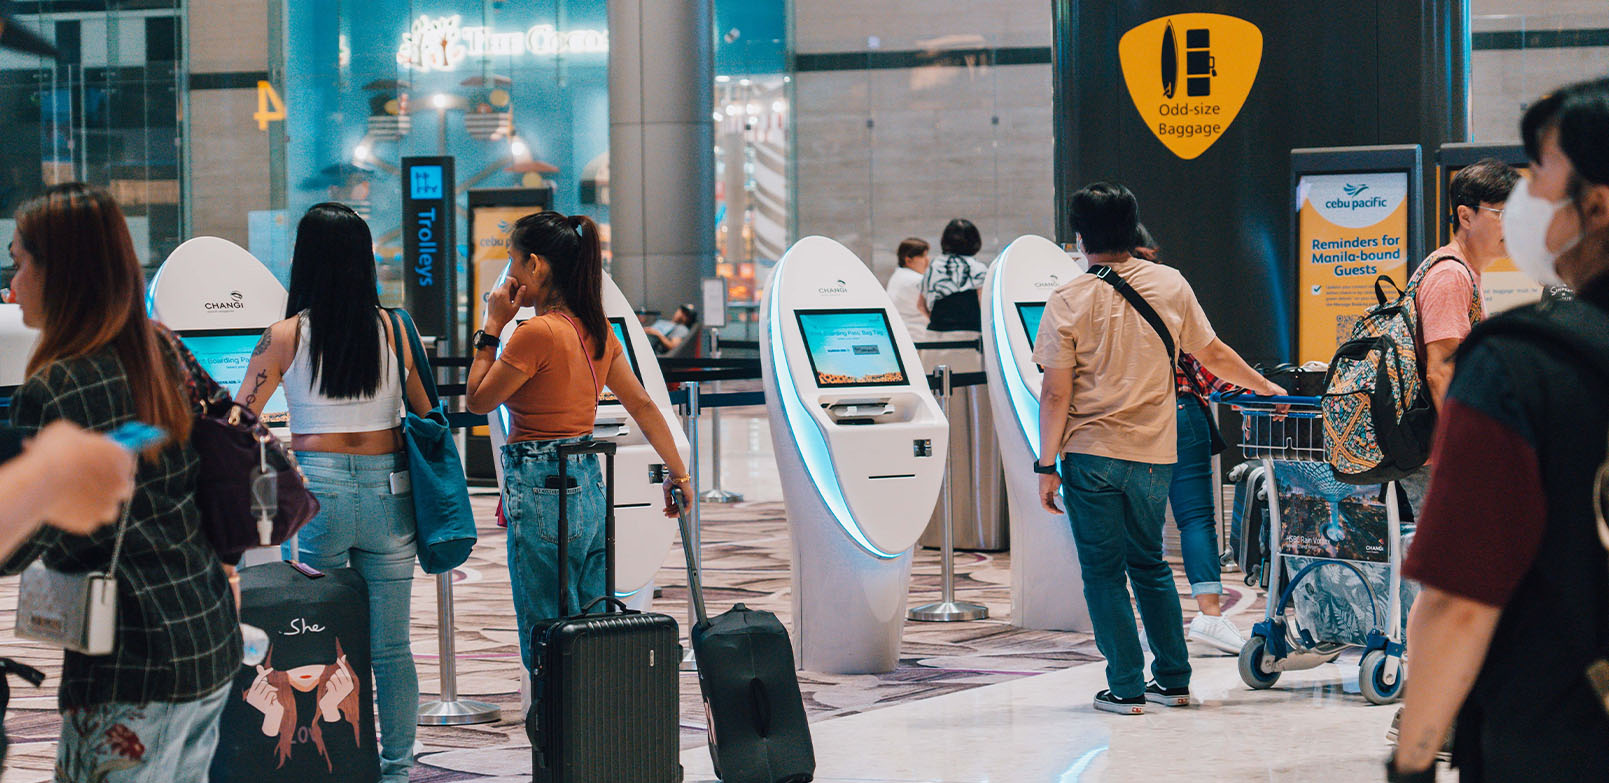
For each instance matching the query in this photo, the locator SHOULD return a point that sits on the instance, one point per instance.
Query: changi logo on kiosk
(1053, 282)
(839, 287)
(236, 301)
(441, 43)
(1214, 56)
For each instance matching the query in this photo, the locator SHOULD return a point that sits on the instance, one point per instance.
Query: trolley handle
(1239, 398)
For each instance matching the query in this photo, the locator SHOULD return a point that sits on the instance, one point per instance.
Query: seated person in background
(667, 336)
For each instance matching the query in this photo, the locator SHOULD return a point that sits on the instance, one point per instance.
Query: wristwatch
(1427, 775)
(483, 339)
(1047, 470)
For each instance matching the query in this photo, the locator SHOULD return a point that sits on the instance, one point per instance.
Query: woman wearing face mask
(549, 376)
(1516, 582)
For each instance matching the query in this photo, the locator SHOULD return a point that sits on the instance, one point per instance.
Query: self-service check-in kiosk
(643, 536)
(16, 345)
(1046, 586)
(860, 446)
(218, 298)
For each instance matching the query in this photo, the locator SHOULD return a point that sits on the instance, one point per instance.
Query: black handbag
(246, 473)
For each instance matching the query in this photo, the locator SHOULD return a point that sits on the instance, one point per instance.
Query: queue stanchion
(450, 710)
(694, 517)
(1226, 557)
(947, 610)
(716, 494)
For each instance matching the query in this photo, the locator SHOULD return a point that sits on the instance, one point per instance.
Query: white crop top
(311, 413)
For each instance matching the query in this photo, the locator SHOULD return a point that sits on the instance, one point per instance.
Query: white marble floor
(1312, 727)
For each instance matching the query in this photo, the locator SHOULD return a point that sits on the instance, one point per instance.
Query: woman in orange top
(549, 376)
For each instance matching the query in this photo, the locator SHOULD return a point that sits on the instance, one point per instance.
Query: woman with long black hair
(336, 355)
(549, 376)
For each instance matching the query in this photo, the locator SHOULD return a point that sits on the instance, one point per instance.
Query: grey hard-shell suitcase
(1249, 522)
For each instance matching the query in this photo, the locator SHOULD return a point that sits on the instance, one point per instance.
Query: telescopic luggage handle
(695, 577)
(607, 449)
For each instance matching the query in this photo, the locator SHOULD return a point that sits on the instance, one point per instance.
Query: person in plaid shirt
(149, 710)
(1190, 493)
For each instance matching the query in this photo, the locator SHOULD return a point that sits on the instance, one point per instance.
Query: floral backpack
(1378, 415)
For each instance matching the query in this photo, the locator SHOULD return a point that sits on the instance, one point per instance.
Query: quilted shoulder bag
(73, 611)
(250, 489)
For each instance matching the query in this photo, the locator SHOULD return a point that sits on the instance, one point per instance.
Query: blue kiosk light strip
(807, 433)
(1023, 403)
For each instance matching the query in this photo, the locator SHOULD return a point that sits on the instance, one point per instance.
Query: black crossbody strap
(1144, 308)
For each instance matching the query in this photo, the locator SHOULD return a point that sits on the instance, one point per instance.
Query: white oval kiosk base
(1046, 581)
(860, 446)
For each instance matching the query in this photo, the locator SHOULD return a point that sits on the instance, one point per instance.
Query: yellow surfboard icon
(1216, 63)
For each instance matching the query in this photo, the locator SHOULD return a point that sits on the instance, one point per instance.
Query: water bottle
(256, 644)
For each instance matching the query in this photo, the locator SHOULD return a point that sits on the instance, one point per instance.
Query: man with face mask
(1515, 605)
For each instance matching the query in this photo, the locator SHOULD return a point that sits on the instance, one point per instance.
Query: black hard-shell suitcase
(1248, 524)
(605, 693)
(318, 631)
(758, 732)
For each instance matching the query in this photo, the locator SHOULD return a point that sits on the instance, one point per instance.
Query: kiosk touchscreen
(643, 536)
(225, 354)
(219, 298)
(859, 441)
(1046, 590)
(16, 345)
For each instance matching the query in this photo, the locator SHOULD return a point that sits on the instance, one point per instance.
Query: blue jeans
(531, 500)
(1191, 496)
(360, 522)
(157, 742)
(1116, 509)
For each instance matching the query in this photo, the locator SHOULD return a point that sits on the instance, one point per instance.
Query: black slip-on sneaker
(1169, 697)
(1109, 703)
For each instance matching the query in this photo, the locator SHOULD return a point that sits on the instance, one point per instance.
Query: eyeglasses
(1494, 209)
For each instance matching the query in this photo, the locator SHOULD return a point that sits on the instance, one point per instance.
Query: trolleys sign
(1189, 74)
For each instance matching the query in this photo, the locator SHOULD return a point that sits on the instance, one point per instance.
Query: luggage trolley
(1307, 528)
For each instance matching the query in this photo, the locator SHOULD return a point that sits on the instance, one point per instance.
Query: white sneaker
(1217, 633)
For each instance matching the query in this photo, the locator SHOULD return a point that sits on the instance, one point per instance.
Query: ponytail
(584, 291)
(574, 255)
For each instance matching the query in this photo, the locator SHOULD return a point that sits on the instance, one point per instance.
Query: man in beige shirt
(1108, 401)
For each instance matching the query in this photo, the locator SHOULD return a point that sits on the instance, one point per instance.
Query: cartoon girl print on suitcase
(316, 688)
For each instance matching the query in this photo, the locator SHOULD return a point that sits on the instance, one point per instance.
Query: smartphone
(401, 482)
(137, 436)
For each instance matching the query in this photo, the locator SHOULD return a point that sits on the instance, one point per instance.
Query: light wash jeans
(531, 506)
(1191, 497)
(360, 522)
(1116, 508)
(157, 742)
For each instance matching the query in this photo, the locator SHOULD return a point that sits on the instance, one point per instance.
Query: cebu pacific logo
(838, 287)
(1189, 74)
(1354, 199)
(236, 301)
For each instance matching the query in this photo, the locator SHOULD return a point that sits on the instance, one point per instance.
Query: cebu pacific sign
(1189, 74)
(441, 43)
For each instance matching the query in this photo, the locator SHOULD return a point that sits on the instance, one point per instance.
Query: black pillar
(1330, 74)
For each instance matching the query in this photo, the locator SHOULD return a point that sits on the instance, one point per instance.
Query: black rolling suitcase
(758, 730)
(275, 726)
(605, 703)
